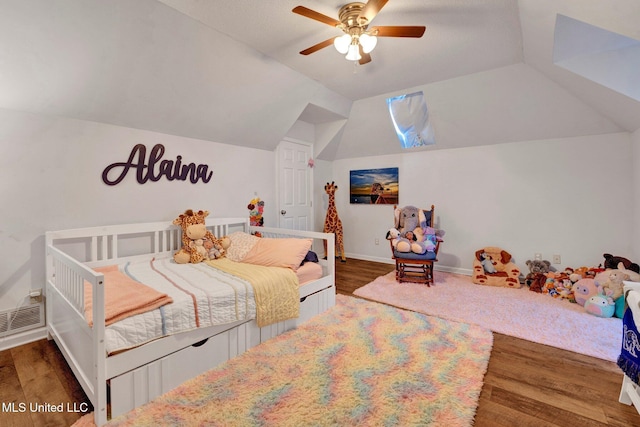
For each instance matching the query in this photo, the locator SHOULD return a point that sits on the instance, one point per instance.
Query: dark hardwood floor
(526, 384)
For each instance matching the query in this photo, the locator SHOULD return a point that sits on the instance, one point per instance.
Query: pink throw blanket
(124, 297)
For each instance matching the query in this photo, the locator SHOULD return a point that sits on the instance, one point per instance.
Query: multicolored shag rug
(360, 363)
(515, 312)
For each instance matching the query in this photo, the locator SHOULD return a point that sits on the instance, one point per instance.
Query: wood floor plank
(558, 376)
(47, 398)
(535, 398)
(548, 410)
(11, 393)
(493, 414)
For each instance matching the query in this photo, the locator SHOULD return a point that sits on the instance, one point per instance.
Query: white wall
(50, 179)
(572, 197)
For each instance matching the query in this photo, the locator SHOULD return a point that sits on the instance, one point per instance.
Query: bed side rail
(68, 276)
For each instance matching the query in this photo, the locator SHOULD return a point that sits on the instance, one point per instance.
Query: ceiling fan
(358, 39)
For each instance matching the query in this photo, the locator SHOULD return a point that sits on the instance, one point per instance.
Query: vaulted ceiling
(230, 71)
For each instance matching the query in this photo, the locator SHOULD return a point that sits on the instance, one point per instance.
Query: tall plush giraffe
(332, 223)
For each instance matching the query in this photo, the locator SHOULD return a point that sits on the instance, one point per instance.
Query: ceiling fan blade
(301, 10)
(365, 57)
(317, 47)
(371, 9)
(398, 31)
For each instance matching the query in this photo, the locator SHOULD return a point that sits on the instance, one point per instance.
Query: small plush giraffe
(332, 223)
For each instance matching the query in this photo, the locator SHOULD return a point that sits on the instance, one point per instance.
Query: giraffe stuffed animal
(193, 228)
(332, 223)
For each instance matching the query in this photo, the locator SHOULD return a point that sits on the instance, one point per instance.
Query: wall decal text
(154, 168)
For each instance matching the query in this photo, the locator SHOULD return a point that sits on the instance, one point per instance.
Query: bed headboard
(109, 244)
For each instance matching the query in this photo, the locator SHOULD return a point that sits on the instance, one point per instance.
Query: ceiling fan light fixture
(354, 53)
(368, 42)
(354, 20)
(342, 43)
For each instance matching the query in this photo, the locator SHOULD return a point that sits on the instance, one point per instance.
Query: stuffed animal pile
(610, 286)
(561, 284)
(411, 232)
(598, 290)
(198, 243)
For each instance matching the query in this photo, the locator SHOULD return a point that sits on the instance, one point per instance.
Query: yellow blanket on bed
(275, 289)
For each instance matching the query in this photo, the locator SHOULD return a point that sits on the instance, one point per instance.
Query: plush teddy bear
(198, 246)
(217, 249)
(537, 266)
(613, 287)
(611, 282)
(537, 278)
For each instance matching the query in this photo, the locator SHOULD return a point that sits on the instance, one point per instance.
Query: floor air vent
(21, 319)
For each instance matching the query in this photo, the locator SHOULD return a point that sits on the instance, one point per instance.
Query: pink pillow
(287, 253)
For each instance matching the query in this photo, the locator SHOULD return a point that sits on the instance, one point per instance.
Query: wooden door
(295, 185)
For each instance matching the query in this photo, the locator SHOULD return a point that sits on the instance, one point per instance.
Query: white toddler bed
(630, 391)
(119, 377)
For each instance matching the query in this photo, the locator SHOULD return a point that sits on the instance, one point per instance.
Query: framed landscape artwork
(374, 186)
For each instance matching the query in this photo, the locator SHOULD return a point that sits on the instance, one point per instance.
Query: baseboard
(22, 338)
(454, 270)
(437, 266)
(370, 258)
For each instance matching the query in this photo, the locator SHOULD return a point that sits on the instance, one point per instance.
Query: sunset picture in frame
(374, 186)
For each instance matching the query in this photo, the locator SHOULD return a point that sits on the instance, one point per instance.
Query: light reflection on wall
(410, 118)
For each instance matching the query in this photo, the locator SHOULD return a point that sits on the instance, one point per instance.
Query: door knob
(283, 212)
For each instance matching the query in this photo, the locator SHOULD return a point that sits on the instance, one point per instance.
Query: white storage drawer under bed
(143, 384)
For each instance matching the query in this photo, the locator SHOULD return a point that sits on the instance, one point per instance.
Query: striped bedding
(202, 296)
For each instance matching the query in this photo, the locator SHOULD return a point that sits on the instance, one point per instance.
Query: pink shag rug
(359, 363)
(516, 312)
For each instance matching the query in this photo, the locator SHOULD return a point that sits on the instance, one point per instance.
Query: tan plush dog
(506, 274)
